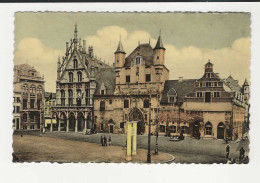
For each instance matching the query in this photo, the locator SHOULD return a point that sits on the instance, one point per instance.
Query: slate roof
(108, 77)
(120, 48)
(233, 84)
(144, 50)
(159, 44)
(181, 87)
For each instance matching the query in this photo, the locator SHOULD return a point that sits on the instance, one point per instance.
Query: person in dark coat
(102, 141)
(199, 136)
(109, 141)
(105, 141)
(227, 151)
(241, 153)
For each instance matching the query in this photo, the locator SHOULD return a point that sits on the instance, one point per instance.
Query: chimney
(180, 79)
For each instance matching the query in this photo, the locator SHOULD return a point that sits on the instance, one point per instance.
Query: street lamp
(149, 132)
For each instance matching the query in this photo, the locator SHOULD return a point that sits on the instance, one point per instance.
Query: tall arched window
(79, 76)
(32, 90)
(70, 97)
(62, 92)
(208, 128)
(75, 63)
(70, 77)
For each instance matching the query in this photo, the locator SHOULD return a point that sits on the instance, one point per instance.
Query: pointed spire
(120, 47)
(75, 33)
(159, 44)
(246, 83)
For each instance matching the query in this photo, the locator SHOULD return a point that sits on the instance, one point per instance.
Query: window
(173, 129)
(126, 103)
(32, 103)
(127, 79)
(13, 109)
(101, 127)
(25, 103)
(145, 117)
(216, 94)
(171, 99)
(200, 84)
(87, 97)
(102, 105)
(79, 97)
(31, 117)
(208, 84)
(62, 97)
(24, 117)
(70, 97)
(126, 117)
(157, 57)
(32, 127)
(207, 96)
(79, 76)
(199, 94)
(18, 99)
(162, 128)
(17, 109)
(208, 128)
(146, 103)
(32, 90)
(208, 75)
(38, 104)
(122, 125)
(148, 77)
(70, 77)
(75, 63)
(110, 101)
(102, 92)
(215, 83)
(138, 60)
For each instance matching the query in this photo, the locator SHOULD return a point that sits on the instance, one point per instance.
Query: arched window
(146, 103)
(79, 96)
(70, 77)
(25, 89)
(32, 90)
(102, 105)
(70, 97)
(208, 128)
(87, 97)
(75, 63)
(79, 76)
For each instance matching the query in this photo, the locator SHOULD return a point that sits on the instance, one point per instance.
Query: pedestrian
(226, 140)
(105, 141)
(241, 153)
(199, 136)
(109, 141)
(102, 141)
(227, 151)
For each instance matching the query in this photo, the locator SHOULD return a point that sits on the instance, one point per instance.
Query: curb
(171, 160)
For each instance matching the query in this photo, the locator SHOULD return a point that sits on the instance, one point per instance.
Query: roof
(233, 84)
(181, 87)
(246, 83)
(120, 48)
(106, 76)
(144, 50)
(159, 44)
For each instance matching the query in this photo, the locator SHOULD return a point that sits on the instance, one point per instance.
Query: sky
(190, 39)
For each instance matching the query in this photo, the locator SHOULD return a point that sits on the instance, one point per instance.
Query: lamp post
(149, 132)
(157, 122)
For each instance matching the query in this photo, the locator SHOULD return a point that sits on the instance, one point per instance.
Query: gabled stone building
(28, 98)
(75, 87)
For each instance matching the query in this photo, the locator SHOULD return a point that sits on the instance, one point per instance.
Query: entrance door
(221, 130)
(111, 129)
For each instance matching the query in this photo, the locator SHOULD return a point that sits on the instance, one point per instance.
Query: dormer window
(172, 96)
(75, 63)
(138, 60)
(102, 89)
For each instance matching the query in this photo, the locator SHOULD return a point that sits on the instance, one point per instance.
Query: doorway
(221, 130)
(111, 129)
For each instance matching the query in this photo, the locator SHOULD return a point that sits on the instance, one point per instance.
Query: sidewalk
(46, 149)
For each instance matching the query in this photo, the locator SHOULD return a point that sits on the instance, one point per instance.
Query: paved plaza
(187, 151)
(30, 148)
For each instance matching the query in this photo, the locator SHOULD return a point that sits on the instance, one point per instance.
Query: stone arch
(136, 115)
(72, 121)
(61, 122)
(81, 121)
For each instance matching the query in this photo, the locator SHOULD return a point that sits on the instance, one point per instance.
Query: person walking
(105, 141)
(241, 153)
(227, 151)
(109, 141)
(102, 140)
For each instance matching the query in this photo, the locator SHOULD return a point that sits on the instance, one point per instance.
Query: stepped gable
(144, 50)
(181, 87)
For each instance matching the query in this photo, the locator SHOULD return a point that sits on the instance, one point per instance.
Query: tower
(245, 88)
(119, 55)
(159, 52)
(208, 68)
